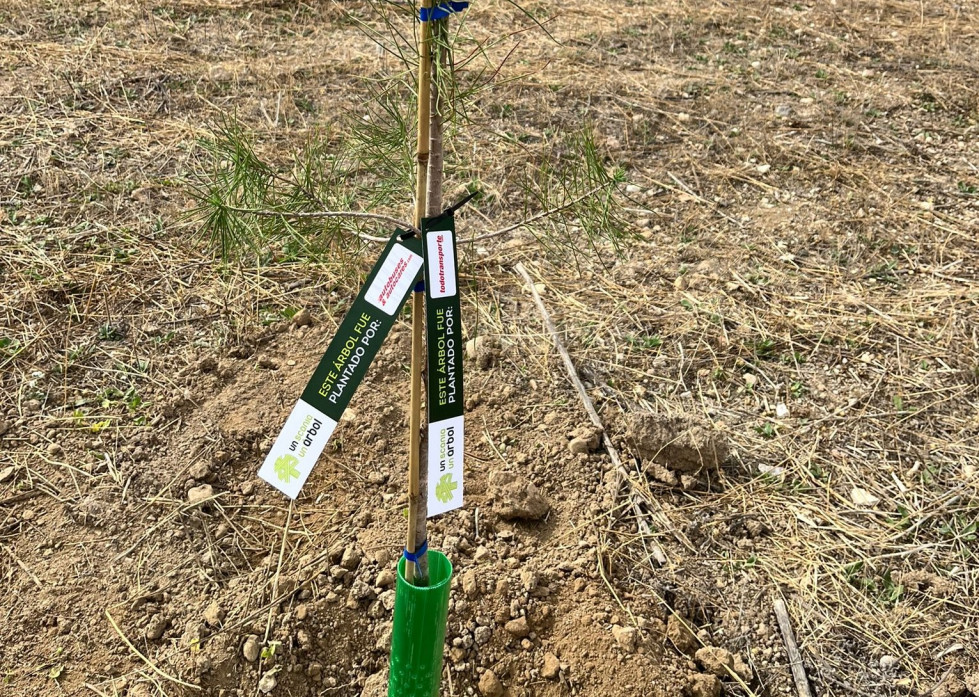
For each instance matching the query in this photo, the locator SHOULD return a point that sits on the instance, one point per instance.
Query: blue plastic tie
(413, 556)
(420, 286)
(441, 10)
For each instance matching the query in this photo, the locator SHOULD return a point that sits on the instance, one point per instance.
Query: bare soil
(787, 359)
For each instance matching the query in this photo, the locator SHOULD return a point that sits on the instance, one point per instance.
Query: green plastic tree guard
(418, 637)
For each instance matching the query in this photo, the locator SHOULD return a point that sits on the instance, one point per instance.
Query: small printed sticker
(441, 262)
(297, 448)
(445, 439)
(396, 275)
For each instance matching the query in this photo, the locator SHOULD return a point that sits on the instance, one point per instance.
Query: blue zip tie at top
(420, 286)
(413, 556)
(441, 10)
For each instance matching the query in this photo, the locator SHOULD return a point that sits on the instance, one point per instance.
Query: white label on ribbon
(441, 263)
(394, 277)
(445, 447)
(297, 448)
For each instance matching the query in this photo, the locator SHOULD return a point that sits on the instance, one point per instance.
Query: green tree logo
(285, 468)
(445, 488)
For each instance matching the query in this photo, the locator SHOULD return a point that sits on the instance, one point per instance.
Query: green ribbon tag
(343, 366)
(445, 402)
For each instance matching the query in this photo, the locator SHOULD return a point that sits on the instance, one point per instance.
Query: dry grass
(806, 188)
(820, 256)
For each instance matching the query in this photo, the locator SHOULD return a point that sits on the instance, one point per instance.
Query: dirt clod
(681, 637)
(675, 442)
(715, 660)
(490, 685)
(200, 493)
(516, 498)
(518, 628)
(625, 637)
(551, 667)
(485, 350)
(214, 614)
(703, 685)
(155, 627)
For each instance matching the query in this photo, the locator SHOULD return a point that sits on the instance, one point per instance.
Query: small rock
(781, 411)
(763, 169)
(247, 488)
(199, 471)
(268, 363)
(267, 683)
(302, 318)
(704, 686)
(156, 627)
(518, 627)
(751, 380)
(578, 446)
(490, 685)
(351, 558)
(591, 436)
(783, 111)
(360, 591)
(516, 498)
(529, 580)
(482, 635)
(6, 473)
(551, 667)
(385, 578)
(200, 493)
(304, 639)
(315, 671)
(250, 649)
(457, 654)
(55, 449)
(469, 584)
(387, 600)
(214, 614)
(715, 660)
(888, 662)
(625, 637)
(681, 636)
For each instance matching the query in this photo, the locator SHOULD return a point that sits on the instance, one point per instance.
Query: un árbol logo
(285, 468)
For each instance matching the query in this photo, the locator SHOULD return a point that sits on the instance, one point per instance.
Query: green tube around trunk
(418, 637)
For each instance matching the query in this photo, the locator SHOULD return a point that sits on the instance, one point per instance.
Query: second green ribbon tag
(445, 401)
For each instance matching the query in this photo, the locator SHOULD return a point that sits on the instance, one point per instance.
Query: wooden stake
(418, 298)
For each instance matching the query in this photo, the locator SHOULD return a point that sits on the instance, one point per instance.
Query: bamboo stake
(418, 298)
